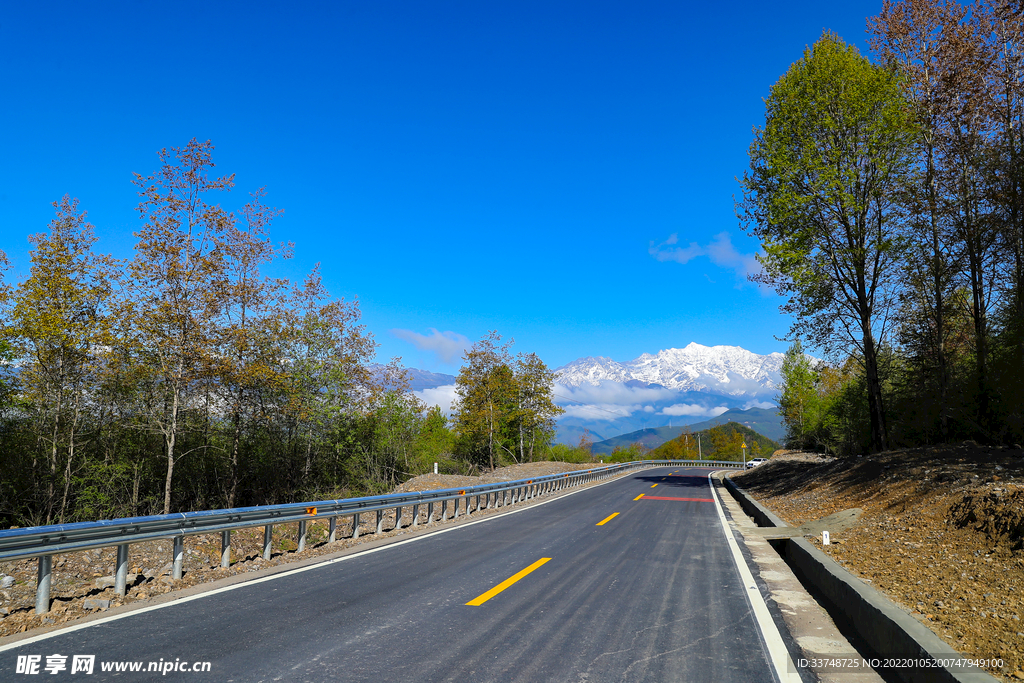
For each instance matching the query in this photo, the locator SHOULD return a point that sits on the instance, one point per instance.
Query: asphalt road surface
(651, 594)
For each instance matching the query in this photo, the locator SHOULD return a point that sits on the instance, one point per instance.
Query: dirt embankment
(942, 534)
(83, 582)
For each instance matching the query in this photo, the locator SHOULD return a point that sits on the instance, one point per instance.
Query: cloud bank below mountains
(444, 397)
(692, 410)
(608, 401)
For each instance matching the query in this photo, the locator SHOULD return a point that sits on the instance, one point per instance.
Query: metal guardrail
(43, 542)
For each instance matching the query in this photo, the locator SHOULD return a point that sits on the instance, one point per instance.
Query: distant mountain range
(672, 388)
(424, 379)
(765, 422)
(728, 370)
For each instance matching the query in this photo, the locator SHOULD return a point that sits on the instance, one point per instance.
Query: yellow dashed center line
(476, 602)
(653, 485)
(639, 497)
(608, 518)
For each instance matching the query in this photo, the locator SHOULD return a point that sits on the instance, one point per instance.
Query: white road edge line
(773, 643)
(318, 565)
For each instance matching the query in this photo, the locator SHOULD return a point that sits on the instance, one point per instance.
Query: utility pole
(700, 454)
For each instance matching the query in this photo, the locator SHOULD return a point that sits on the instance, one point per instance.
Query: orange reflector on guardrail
(462, 493)
(311, 511)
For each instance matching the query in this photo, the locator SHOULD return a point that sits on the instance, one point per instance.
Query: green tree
(825, 172)
(60, 324)
(249, 326)
(435, 441)
(798, 402)
(910, 35)
(325, 349)
(533, 419)
(485, 390)
(173, 299)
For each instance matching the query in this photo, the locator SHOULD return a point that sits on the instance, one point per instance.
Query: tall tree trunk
(876, 408)
(938, 292)
(71, 455)
(490, 432)
(235, 441)
(171, 437)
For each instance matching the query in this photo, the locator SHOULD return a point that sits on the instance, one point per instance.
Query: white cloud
(445, 345)
(443, 396)
(600, 411)
(680, 254)
(719, 251)
(608, 391)
(758, 404)
(693, 410)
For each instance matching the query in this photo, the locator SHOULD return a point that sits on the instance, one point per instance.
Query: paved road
(653, 594)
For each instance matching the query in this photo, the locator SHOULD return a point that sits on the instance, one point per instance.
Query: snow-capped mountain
(728, 370)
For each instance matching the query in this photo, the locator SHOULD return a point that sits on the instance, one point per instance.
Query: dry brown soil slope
(83, 582)
(940, 535)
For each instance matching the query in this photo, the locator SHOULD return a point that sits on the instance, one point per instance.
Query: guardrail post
(416, 514)
(225, 548)
(398, 517)
(380, 521)
(177, 557)
(430, 512)
(121, 570)
(489, 503)
(302, 536)
(355, 525)
(456, 503)
(333, 530)
(43, 584)
(268, 536)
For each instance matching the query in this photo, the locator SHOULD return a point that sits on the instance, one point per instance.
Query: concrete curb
(887, 629)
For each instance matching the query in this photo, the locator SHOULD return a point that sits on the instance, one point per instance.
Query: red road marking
(696, 500)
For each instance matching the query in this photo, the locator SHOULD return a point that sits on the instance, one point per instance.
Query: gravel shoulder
(941, 534)
(83, 582)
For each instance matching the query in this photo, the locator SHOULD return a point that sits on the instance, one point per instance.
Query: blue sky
(562, 172)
